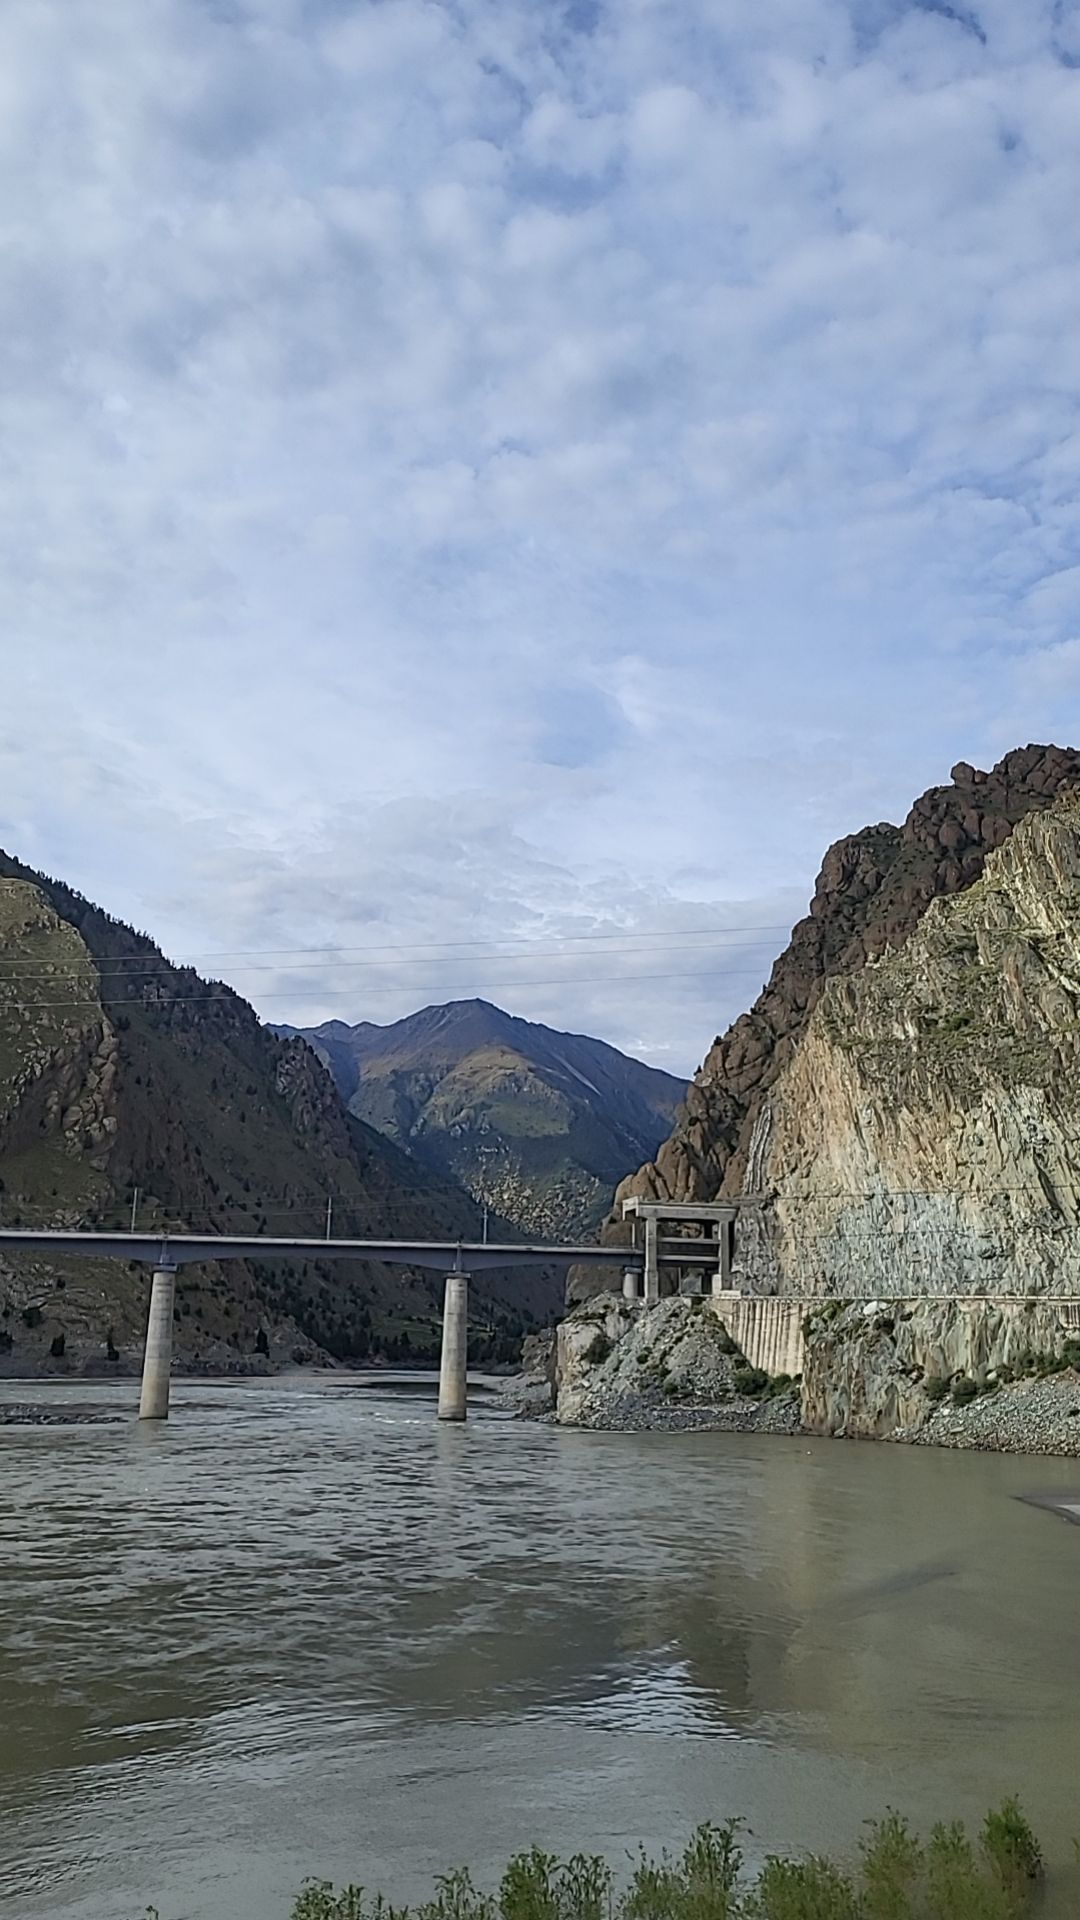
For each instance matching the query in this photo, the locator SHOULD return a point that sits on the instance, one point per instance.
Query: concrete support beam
(453, 1392)
(157, 1356)
(652, 1269)
(630, 1284)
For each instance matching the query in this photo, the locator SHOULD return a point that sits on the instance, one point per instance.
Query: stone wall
(769, 1331)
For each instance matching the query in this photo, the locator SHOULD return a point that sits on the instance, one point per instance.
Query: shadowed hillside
(125, 1079)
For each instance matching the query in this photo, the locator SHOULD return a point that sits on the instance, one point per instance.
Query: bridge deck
(182, 1249)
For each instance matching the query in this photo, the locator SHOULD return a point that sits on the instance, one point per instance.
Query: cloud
(478, 469)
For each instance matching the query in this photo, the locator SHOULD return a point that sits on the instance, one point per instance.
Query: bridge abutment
(453, 1366)
(157, 1355)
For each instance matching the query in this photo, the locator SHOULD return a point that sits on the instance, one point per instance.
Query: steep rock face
(868, 1366)
(537, 1124)
(873, 890)
(923, 1137)
(127, 1081)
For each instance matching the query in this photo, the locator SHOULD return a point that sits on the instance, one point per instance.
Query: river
(302, 1629)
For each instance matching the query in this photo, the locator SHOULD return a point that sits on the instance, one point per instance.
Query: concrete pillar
(157, 1356)
(453, 1395)
(630, 1284)
(652, 1268)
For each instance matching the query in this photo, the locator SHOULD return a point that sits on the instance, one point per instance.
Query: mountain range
(536, 1124)
(131, 1088)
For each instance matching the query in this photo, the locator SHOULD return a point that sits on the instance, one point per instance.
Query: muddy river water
(302, 1629)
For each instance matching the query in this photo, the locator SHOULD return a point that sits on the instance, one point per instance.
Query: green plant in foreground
(1011, 1847)
(896, 1877)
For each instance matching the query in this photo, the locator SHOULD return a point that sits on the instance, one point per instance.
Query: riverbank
(928, 1376)
(1026, 1416)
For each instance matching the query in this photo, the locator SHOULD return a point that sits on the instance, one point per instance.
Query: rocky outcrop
(923, 1136)
(672, 1367)
(873, 891)
(882, 1369)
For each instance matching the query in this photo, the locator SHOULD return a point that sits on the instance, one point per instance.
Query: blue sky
(524, 473)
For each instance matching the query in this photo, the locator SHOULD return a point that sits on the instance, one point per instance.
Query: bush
(750, 1381)
(1011, 1847)
(935, 1386)
(964, 1389)
(897, 1877)
(803, 1890)
(892, 1865)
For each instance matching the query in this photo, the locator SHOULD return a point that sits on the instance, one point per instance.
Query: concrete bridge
(165, 1252)
(768, 1328)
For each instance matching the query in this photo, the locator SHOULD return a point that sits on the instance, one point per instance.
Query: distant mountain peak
(538, 1123)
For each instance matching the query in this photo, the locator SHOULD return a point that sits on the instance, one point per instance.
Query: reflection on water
(303, 1629)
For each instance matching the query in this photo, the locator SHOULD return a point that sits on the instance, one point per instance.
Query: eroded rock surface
(923, 1137)
(873, 891)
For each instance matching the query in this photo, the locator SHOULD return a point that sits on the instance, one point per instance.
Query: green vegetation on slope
(538, 1124)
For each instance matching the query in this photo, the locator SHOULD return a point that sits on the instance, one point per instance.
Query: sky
(489, 489)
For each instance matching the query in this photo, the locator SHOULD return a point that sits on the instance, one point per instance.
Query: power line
(407, 987)
(244, 953)
(30, 968)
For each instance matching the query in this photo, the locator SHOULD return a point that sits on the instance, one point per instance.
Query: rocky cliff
(873, 890)
(538, 1124)
(884, 1369)
(924, 1135)
(126, 1081)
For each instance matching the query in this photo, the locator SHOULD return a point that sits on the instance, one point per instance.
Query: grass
(898, 1875)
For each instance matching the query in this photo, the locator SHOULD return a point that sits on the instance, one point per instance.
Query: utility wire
(34, 969)
(410, 987)
(243, 953)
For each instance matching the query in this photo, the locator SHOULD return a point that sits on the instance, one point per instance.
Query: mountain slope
(873, 890)
(539, 1124)
(125, 1080)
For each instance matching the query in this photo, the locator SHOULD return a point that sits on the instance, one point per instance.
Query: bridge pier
(630, 1284)
(651, 1277)
(157, 1355)
(453, 1391)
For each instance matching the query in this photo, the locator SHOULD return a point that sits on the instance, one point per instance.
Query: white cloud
(502, 467)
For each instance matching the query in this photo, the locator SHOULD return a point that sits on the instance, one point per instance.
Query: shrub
(892, 1865)
(598, 1348)
(935, 1386)
(897, 1877)
(964, 1389)
(957, 1889)
(750, 1381)
(802, 1890)
(1011, 1847)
